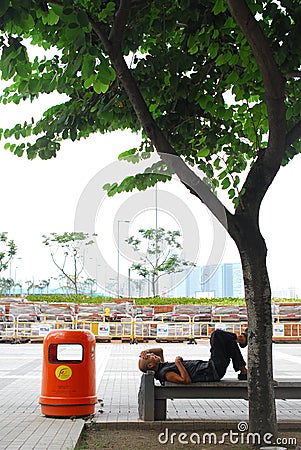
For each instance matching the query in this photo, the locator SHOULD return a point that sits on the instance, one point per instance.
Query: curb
(180, 425)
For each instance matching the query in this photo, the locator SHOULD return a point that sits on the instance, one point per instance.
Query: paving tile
(23, 427)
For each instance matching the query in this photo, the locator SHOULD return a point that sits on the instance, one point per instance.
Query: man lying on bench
(224, 347)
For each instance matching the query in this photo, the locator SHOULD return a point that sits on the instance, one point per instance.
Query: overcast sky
(40, 197)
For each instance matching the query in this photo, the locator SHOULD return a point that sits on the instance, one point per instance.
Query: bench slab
(152, 397)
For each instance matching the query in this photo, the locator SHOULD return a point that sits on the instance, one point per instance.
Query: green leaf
(219, 7)
(100, 87)
(213, 49)
(105, 73)
(23, 69)
(19, 150)
(73, 35)
(130, 156)
(67, 11)
(52, 18)
(220, 60)
(231, 193)
(194, 49)
(27, 22)
(89, 81)
(82, 18)
(289, 113)
(203, 100)
(225, 183)
(111, 189)
(74, 65)
(217, 164)
(236, 181)
(191, 40)
(223, 174)
(34, 85)
(73, 134)
(88, 66)
(233, 77)
(106, 12)
(65, 134)
(73, 25)
(57, 9)
(203, 152)
(106, 186)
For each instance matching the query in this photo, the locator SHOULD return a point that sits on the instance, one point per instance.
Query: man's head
(149, 362)
(242, 338)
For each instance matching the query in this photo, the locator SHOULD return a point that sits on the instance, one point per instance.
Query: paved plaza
(22, 426)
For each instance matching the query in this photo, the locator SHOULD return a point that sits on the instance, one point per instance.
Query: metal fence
(140, 328)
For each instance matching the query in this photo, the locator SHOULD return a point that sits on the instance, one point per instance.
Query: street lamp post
(118, 256)
(129, 282)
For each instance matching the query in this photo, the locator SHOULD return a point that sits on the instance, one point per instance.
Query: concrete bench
(152, 397)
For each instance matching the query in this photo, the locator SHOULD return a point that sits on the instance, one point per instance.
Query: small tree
(66, 251)
(161, 254)
(5, 285)
(17, 284)
(90, 285)
(43, 284)
(30, 286)
(8, 250)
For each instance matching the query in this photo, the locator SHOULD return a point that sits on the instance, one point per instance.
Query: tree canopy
(159, 251)
(193, 64)
(67, 252)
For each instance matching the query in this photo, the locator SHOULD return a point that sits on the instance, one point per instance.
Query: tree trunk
(75, 273)
(253, 251)
(154, 285)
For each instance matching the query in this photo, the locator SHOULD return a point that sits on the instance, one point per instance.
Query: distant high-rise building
(223, 280)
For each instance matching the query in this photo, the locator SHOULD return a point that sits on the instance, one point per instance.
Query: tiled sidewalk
(23, 427)
(121, 379)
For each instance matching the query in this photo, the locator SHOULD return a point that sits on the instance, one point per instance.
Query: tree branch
(120, 22)
(265, 168)
(273, 80)
(270, 72)
(61, 268)
(293, 135)
(294, 74)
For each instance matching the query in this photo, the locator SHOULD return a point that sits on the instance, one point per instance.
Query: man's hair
(245, 334)
(143, 365)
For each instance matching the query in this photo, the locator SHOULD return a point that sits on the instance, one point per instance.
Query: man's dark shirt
(198, 370)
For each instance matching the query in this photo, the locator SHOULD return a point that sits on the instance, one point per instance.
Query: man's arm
(156, 351)
(173, 377)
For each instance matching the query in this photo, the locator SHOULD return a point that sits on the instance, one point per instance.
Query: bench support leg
(146, 397)
(160, 409)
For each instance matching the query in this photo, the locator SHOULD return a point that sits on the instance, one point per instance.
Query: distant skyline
(40, 197)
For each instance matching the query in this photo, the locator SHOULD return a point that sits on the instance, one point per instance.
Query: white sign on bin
(221, 326)
(278, 330)
(44, 329)
(103, 329)
(162, 330)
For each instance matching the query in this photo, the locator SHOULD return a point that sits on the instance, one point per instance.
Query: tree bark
(154, 285)
(253, 251)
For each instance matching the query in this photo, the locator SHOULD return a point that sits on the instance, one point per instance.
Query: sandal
(242, 376)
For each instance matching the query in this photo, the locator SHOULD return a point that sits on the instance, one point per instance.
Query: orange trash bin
(68, 374)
